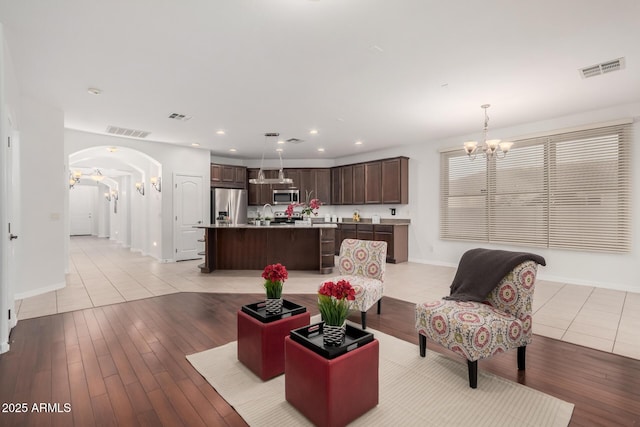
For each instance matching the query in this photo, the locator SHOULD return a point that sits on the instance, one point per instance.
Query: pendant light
(261, 178)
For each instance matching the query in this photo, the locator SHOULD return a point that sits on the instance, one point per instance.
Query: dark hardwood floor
(125, 364)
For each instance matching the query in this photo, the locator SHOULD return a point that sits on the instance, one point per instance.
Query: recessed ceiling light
(220, 132)
(280, 142)
(358, 142)
(94, 91)
(321, 149)
(280, 150)
(195, 144)
(313, 131)
(233, 150)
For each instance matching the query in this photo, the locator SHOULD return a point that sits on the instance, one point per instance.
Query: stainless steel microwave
(286, 197)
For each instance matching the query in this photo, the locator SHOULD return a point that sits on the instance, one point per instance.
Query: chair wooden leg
(363, 316)
(423, 344)
(473, 373)
(379, 305)
(522, 351)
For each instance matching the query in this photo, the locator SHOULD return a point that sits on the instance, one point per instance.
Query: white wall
(615, 271)
(154, 208)
(44, 186)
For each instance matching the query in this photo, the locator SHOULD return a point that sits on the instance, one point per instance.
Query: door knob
(12, 236)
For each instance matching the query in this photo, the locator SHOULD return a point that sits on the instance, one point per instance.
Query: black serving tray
(259, 311)
(311, 337)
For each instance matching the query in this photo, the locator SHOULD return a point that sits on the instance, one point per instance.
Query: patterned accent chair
(362, 263)
(477, 330)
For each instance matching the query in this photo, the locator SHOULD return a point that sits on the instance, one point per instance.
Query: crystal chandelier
(489, 147)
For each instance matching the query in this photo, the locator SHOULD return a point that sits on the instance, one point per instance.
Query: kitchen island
(250, 247)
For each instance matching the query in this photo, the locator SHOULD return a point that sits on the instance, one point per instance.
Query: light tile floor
(102, 273)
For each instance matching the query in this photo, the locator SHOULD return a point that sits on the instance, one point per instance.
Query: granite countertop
(383, 221)
(314, 225)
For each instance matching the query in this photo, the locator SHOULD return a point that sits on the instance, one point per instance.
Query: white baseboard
(432, 262)
(39, 291)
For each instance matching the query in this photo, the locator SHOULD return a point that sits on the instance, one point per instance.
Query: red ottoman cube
(331, 392)
(261, 345)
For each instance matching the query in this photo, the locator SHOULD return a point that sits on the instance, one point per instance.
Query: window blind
(570, 190)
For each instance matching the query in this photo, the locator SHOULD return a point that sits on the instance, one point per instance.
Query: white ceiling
(386, 72)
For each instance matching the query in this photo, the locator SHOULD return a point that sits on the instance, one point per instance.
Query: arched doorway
(115, 192)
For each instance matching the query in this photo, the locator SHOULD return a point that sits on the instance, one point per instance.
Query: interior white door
(81, 210)
(13, 219)
(188, 203)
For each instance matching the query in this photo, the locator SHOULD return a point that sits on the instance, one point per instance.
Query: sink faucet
(264, 208)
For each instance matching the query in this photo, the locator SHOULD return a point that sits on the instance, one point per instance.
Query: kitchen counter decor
(333, 303)
(274, 275)
(309, 207)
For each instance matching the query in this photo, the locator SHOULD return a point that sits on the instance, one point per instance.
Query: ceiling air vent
(131, 133)
(605, 67)
(178, 116)
(294, 140)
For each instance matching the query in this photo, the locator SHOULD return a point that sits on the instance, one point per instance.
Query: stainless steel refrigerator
(228, 205)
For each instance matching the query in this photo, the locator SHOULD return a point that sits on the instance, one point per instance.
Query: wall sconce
(97, 176)
(156, 182)
(74, 178)
(140, 187)
(113, 194)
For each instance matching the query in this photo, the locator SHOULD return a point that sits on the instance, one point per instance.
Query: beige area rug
(414, 391)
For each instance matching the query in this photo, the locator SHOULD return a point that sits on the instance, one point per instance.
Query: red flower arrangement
(309, 207)
(274, 275)
(333, 301)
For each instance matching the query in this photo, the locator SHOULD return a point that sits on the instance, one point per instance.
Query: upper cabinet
(395, 180)
(347, 185)
(313, 180)
(358, 189)
(227, 176)
(336, 186)
(373, 183)
(378, 182)
(323, 185)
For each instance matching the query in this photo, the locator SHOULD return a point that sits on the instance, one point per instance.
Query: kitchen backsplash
(366, 211)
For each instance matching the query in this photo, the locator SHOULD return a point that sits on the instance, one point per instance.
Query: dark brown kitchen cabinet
(373, 182)
(358, 184)
(396, 236)
(241, 176)
(307, 184)
(383, 181)
(395, 180)
(347, 185)
(323, 185)
(347, 231)
(228, 176)
(260, 194)
(216, 173)
(365, 231)
(336, 186)
(385, 233)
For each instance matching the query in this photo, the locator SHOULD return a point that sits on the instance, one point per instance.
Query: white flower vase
(273, 305)
(333, 336)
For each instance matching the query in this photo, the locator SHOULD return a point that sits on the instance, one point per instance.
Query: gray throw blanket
(480, 270)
